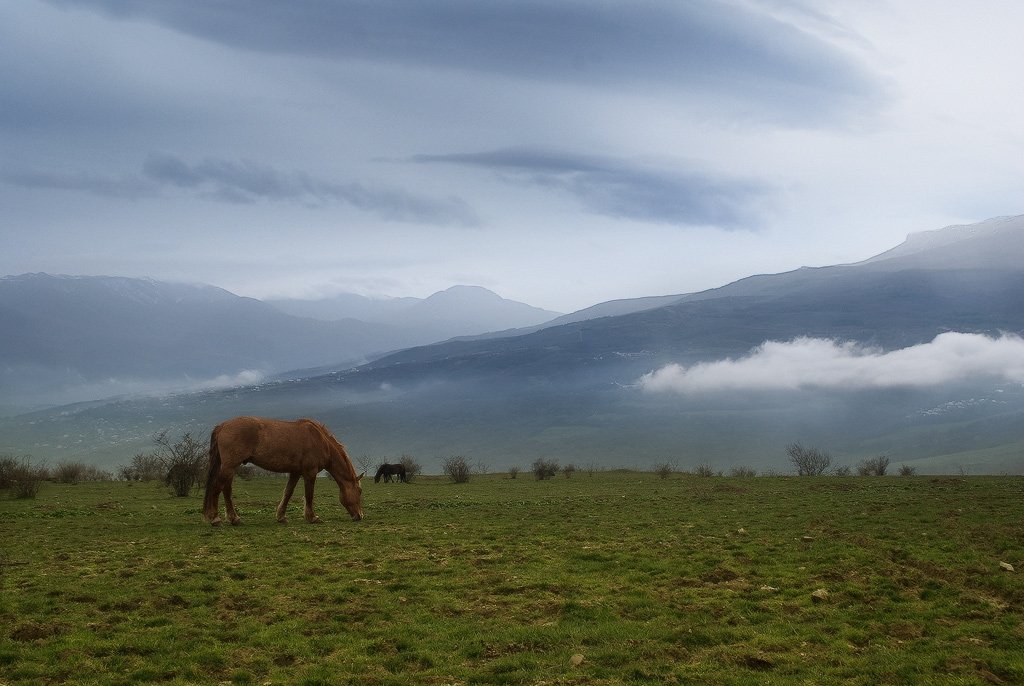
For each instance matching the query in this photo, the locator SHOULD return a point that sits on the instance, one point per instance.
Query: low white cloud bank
(816, 363)
(246, 377)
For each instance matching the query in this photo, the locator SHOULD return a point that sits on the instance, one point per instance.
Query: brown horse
(300, 448)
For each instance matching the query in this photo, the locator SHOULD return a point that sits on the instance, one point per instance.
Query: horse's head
(352, 496)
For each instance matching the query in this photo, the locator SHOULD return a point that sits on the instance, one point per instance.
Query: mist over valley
(914, 354)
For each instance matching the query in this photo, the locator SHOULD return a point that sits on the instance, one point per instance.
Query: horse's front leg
(310, 483)
(293, 479)
(210, 506)
(229, 504)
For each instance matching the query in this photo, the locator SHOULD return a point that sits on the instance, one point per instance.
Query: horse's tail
(211, 494)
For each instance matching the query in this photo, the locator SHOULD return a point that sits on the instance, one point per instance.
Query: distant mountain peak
(466, 294)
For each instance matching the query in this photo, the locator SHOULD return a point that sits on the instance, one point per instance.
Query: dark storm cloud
(622, 189)
(712, 49)
(247, 182)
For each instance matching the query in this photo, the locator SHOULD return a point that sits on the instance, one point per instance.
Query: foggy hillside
(69, 338)
(909, 356)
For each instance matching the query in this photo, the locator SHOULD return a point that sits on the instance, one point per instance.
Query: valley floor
(610, 578)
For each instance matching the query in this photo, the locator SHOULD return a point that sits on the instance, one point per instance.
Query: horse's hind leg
(229, 504)
(310, 482)
(288, 490)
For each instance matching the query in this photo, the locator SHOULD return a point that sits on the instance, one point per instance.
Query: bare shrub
(842, 470)
(23, 478)
(907, 470)
(543, 468)
(704, 470)
(569, 470)
(412, 467)
(8, 468)
(184, 461)
(456, 468)
(808, 461)
(368, 463)
(143, 467)
(743, 472)
(664, 469)
(76, 472)
(874, 466)
(513, 471)
(68, 472)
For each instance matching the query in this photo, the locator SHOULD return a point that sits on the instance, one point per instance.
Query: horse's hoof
(236, 522)
(315, 520)
(282, 520)
(215, 521)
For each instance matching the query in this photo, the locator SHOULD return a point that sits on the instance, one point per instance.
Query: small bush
(543, 468)
(743, 472)
(569, 470)
(842, 470)
(8, 467)
(68, 472)
(704, 470)
(664, 469)
(874, 466)
(184, 461)
(808, 461)
(412, 467)
(76, 472)
(513, 471)
(143, 467)
(907, 470)
(456, 468)
(23, 478)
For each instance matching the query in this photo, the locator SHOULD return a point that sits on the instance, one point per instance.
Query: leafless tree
(808, 461)
(184, 461)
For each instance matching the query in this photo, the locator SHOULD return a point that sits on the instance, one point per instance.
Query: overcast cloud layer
(814, 363)
(559, 152)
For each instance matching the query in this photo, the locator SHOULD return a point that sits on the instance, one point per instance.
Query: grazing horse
(389, 470)
(301, 448)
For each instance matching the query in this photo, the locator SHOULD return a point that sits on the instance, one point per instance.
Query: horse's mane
(336, 444)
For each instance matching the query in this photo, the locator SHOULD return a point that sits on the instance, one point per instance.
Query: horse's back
(238, 433)
(274, 444)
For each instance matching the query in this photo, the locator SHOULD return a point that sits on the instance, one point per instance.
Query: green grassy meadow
(614, 578)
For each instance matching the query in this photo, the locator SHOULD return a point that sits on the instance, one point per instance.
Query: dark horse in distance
(302, 448)
(389, 470)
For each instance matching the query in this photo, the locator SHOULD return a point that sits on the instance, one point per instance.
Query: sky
(561, 153)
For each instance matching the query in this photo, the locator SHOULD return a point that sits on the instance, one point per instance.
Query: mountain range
(81, 337)
(574, 388)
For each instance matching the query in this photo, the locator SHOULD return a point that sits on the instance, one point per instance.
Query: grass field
(614, 578)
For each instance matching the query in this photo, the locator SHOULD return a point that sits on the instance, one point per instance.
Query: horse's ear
(360, 477)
